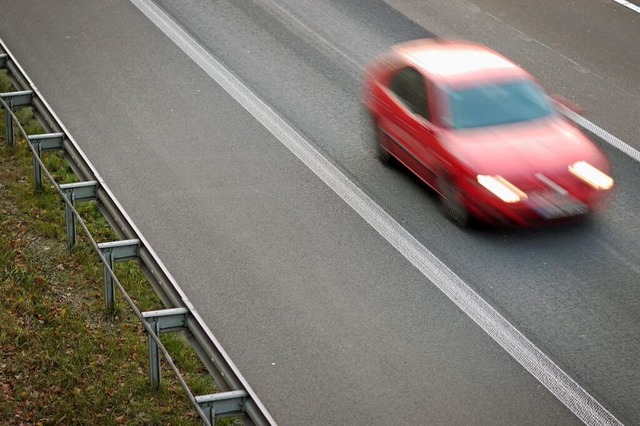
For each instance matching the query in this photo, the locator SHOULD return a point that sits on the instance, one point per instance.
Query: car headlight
(502, 188)
(591, 175)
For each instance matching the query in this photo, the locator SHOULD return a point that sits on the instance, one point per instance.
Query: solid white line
(600, 132)
(629, 5)
(583, 405)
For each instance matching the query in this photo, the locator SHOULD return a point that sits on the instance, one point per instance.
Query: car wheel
(452, 203)
(381, 138)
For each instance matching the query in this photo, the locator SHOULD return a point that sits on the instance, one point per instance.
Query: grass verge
(62, 360)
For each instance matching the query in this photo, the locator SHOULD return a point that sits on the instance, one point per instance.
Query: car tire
(452, 204)
(381, 137)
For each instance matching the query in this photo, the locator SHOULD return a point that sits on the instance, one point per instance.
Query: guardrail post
(42, 143)
(80, 191)
(162, 321)
(154, 354)
(14, 99)
(8, 123)
(223, 404)
(113, 252)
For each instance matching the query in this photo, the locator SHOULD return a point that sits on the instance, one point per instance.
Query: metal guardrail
(237, 397)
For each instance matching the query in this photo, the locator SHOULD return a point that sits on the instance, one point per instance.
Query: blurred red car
(480, 131)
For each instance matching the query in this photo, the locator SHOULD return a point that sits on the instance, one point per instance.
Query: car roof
(457, 61)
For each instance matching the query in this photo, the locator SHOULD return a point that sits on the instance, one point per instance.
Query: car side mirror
(561, 100)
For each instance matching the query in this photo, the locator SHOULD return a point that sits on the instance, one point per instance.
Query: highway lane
(536, 278)
(584, 277)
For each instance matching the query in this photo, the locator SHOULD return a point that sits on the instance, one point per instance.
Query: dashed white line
(578, 400)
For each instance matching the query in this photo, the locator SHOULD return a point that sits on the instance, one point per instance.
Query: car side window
(409, 85)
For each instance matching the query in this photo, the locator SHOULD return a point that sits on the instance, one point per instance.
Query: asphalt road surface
(326, 319)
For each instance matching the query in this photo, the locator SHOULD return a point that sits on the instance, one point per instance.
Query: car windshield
(496, 104)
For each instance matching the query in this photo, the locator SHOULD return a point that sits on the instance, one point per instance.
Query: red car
(483, 134)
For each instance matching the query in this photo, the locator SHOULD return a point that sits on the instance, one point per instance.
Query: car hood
(519, 151)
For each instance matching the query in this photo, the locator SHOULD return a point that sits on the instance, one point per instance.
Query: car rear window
(496, 104)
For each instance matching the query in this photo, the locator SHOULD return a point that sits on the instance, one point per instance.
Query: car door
(410, 123)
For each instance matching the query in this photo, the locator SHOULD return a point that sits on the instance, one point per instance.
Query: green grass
(63, 360)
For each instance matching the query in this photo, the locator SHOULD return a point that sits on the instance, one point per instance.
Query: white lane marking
(629, 5)
(578, 400)
(600, 132)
